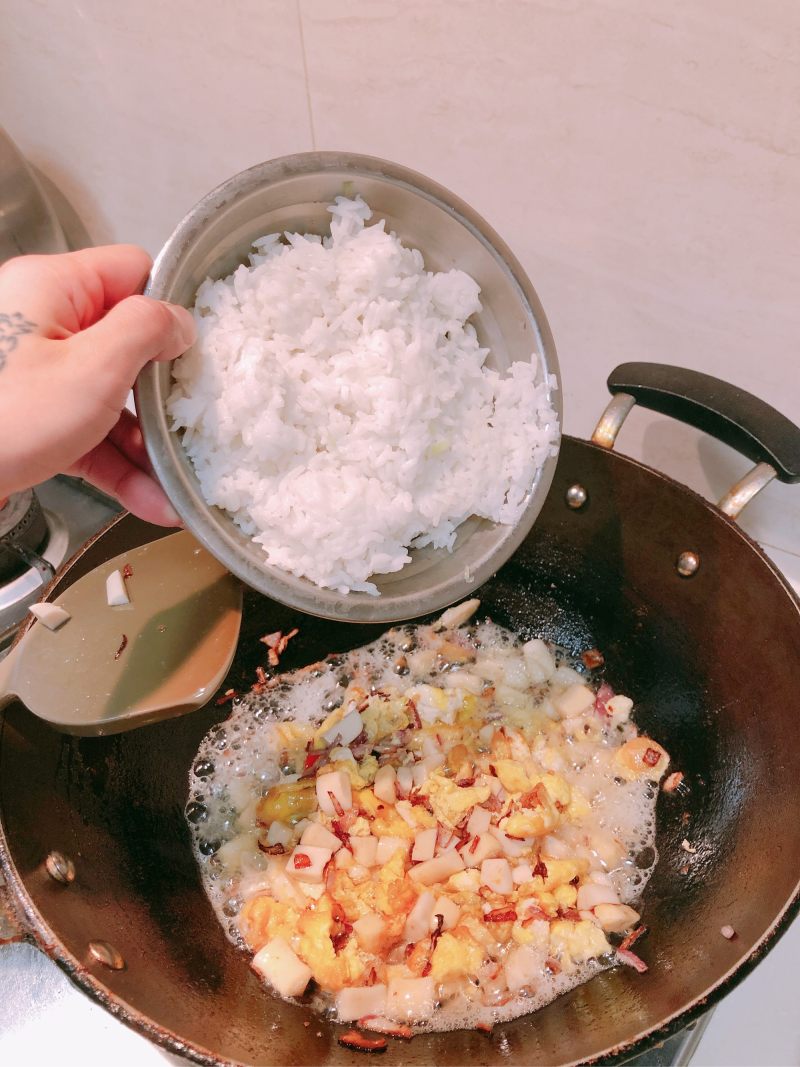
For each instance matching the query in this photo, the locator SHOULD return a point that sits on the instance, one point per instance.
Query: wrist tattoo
(12, 327)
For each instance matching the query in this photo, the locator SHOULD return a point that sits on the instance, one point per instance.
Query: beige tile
(135, 110)
(642, 161)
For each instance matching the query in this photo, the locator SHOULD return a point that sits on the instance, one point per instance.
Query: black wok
(711, 659)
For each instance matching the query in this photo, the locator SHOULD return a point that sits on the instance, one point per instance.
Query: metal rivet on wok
(60, 868)
(687, 564)
(105, 953)
(576, 496)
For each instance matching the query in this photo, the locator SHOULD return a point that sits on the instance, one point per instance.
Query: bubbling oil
(240, 759)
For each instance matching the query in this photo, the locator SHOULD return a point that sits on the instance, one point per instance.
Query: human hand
(74, 334)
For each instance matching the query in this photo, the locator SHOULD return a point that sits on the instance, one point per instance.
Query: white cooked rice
(337, 404)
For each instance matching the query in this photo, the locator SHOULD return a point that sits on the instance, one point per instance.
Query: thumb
(134, 332)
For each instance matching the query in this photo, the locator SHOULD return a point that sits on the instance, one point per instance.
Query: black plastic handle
(732, 415)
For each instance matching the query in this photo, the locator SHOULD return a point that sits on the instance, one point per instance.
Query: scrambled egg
(451, 802)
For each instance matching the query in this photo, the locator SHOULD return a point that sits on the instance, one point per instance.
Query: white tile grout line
(305, 73)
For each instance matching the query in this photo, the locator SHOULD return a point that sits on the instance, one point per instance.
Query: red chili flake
(372, 977)
(359, 1043)
(127, 571)
(631, 959)
(301, 860)
(464, 783)
(437, 933)
(272, 850)
(492, 770)
(340, 832)
(533, 915)
(415, 719)
(426, 970)
(227, 696)
(261, 675)
(500, 915)
(540, 870)
(421, 801)
(536, 798)
(576, 880)
(337, 912)
(571, 914)
(604, 694)
(651, 757)
(473, 845)
(311, 759)
(553, 966)
(122, 646)
(485, 1028)
(560, 807)
(340, 940)
(493, 804)
(632, 938)
(329, 877)
(337, 807)
(592, 658)
(409, 949)
(672, 782)
(276, 644)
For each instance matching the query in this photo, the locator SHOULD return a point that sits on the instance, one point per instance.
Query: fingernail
(185, 320)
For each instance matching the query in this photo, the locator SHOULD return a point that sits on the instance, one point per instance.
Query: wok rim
(36, 930)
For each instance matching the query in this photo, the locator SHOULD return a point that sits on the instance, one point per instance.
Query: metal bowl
(293, 193)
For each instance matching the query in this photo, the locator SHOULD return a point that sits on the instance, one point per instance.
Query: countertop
(642, 160)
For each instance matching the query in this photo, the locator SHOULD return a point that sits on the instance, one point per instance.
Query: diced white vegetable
(551, 759)
(50, 615)
(405, 810)
(421, 662)
(424, 845)
(116, 593)
(316, 834)
(404, 780)
(358, 1001)
(458, 614)
(337, 783)
(523, 872)
(410, 999)
(343, 859)
(515, 673)
(387, 846)
(608, 850)
(369, 931)
(463, 680)
(314, 871)
(539, 661)
(449, 910)
(383, 786)
(438, 869)
(574, 701)
(496, 874)
(591, 894)
(279, 834)
(313, 890)
(478, 822)
(340, 753)
(511, 846)
(281, 886)
(564, 676)
(523, 967)
(468, 881)
(495, 785)
(345, 730)
(420, 774)
(430, 747)
(486, 733)
(282, 968)
(358, 874)
(616, 918)
(365, 850)
(230, 854)
(253, 883)
(555, 848)
(600, 878)
(487, 847)
(418, 923)
(619, 708)
(589, 917)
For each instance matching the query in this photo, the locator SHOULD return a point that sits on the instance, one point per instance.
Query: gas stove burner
(23, 536)
(38, 567)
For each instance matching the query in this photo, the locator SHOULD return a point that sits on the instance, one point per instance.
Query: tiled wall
(641, 158)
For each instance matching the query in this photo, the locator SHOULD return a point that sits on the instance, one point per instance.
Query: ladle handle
(724, 411)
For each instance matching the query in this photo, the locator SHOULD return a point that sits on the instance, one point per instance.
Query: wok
(707, 642)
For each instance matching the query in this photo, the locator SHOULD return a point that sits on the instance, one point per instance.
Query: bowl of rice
(368, 424)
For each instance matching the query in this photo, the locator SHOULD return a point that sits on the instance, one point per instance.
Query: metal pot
(694, 621)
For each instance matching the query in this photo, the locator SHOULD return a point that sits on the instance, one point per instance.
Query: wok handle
(732, 415)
